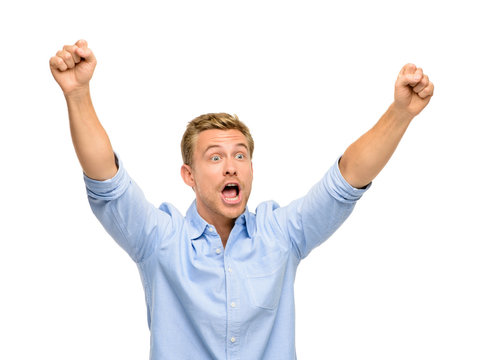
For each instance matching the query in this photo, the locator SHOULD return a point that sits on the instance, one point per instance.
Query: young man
(219, 282)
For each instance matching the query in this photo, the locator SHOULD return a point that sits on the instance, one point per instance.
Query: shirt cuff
(109, 189)
(340, 188)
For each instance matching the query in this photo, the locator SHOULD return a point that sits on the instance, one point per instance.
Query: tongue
(229, 193)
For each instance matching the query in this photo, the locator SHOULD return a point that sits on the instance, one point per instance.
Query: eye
(215, 158)
(240, 156)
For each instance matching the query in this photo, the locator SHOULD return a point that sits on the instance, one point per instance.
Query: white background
(399, 280)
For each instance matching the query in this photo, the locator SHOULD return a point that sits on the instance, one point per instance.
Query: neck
(223, 229)
(222, 224)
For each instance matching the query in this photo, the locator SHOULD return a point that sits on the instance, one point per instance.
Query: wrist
(400, 112)
(76, 94)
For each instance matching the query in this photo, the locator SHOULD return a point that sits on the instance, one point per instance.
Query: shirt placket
(233, 307)
(233, 303)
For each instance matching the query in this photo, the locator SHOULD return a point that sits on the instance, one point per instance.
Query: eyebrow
(218, 146)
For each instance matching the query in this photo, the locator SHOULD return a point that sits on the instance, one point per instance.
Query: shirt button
(232, 304)
(217, 251)
(232, 339)
(210, 229)
(229, 269)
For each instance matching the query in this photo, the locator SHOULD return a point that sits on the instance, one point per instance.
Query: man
(219, 282)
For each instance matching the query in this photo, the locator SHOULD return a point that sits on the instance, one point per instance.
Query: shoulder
(266, 207)
(267, 217)
(176, 217)
(270, 226)
(170, 209)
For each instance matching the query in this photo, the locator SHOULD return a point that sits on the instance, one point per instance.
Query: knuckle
(59, 64)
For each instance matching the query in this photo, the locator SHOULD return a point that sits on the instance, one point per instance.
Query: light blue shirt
(207, 302)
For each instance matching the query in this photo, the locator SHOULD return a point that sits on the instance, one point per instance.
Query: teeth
(232, 199)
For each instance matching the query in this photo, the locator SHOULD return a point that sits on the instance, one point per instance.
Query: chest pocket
(265, 280)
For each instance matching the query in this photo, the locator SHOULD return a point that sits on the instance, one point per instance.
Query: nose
(230, 168)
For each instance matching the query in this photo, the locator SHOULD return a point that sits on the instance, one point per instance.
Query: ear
(187, 175)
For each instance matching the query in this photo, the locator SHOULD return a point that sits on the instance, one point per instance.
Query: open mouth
(231, 192)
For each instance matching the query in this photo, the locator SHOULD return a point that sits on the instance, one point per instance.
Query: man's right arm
(73, 67)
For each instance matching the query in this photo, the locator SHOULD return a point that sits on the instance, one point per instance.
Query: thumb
(82, 43)
(86, 54)
(410, 75)
(409, 79)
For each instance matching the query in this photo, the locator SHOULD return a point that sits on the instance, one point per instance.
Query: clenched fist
(413, 90)
(73, 67)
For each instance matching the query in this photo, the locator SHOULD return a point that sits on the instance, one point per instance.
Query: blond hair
(221, 121)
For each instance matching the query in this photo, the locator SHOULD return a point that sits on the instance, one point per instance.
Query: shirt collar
(197, 225)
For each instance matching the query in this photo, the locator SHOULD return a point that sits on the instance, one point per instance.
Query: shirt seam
(287, 236)
(156, 240)
(293, 244)
(147, 287)
(119, 225)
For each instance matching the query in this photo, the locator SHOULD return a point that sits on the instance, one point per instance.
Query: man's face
(221, 174)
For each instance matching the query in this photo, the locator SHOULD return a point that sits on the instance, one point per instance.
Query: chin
(234, 213)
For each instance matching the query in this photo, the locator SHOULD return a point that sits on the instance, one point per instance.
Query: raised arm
(365, 158)
(73, 67)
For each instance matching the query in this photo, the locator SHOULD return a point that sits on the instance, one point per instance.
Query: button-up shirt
(205, 301)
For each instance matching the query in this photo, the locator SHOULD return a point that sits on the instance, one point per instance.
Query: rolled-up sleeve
(122, 209)
(312, 219)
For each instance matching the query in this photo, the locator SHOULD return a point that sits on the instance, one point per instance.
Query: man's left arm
(366, 157)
